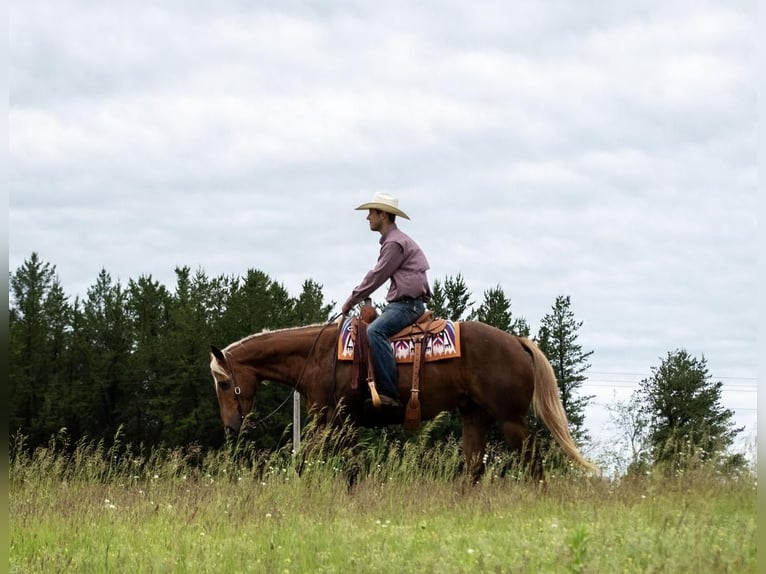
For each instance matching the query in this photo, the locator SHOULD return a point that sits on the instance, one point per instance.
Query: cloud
(600, 151)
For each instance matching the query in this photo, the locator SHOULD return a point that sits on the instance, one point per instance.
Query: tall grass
(391, 506)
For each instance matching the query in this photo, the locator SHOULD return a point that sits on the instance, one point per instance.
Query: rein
(238, 390)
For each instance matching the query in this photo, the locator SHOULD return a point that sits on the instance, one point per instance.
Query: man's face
(376, 219)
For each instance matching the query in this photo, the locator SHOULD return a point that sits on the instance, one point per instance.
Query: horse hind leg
(516, 434)
(476, 424)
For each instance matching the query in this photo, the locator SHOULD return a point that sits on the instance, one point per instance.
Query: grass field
(97, 510)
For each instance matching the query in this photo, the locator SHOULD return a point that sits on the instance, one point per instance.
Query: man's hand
(346, 309)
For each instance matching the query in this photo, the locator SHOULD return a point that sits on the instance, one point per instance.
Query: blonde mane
(217, 368)
(269, 332)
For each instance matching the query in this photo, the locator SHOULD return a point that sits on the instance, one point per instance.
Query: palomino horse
(496, 378)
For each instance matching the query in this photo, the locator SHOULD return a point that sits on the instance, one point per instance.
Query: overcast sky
(605, 151)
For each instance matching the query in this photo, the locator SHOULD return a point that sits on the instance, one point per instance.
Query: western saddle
(418, 334)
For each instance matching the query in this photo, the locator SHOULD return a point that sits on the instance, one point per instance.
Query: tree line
(134, 359)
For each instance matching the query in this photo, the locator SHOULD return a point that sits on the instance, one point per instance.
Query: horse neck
(281, 355)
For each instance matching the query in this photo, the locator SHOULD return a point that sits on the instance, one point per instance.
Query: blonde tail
(547, 405)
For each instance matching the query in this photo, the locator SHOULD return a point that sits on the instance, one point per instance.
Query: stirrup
(374, 393)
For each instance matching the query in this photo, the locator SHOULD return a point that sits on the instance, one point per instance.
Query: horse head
(235, 386)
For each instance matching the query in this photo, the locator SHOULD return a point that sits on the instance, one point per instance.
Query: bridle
(238, 390)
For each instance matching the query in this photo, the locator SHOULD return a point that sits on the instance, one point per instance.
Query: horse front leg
(476, 424)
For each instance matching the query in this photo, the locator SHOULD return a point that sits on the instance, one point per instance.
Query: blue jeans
(395, 317)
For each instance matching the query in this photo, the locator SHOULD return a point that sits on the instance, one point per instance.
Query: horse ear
(217, 353)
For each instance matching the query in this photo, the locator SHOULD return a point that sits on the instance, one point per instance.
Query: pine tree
(451, 299)
(438, 302)
(136, 359)
(495, 310)
(188, 406)
(309, 307)
(148, 306)
(108, 334)
(557, 338)
(37, 333)
(686, 418)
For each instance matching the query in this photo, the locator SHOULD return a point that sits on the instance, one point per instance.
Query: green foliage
(310, 307)
(451, 299)
(89, 507)
(557, 338)
(136, 357)
(495, 310)
(630, 423)
(685, 415)
(38, 338)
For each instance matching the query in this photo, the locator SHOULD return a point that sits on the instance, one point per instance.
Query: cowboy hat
(384, 202)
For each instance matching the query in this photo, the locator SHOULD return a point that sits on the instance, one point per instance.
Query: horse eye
(224, 385)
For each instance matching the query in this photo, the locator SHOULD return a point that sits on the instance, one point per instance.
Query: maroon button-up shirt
(402, 261)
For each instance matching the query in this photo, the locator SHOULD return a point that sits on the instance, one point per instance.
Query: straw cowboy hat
(384, 202)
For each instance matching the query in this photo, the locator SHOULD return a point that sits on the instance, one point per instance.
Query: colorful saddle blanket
(444, 344)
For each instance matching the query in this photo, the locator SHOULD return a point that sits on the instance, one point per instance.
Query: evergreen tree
(80, 393)
(438, 302)
(684, 410)
(495, 310)
(108, 335)
(137, 358)
(250, 308)
(451, 299)
(188, 406)
(309, 307)
(148, 306)
(60, 408)
(557, 338)
(37, 337)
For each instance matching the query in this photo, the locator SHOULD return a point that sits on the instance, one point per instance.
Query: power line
(632, 384)
(620, 374)
(734, 408)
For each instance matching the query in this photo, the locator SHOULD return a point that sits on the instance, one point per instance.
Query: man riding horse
(402, 262)
(493, 380)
